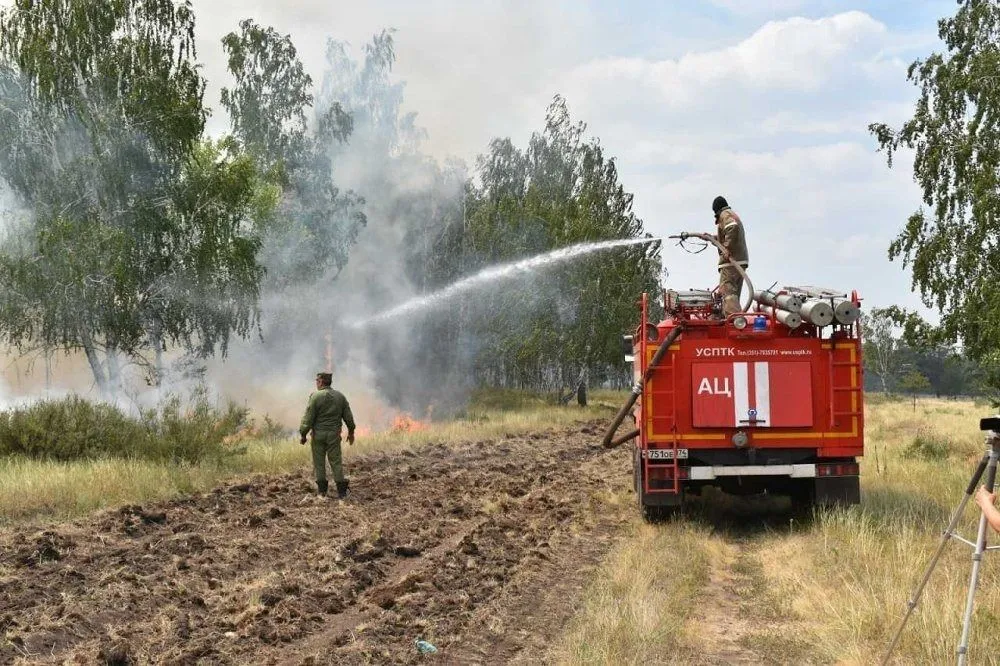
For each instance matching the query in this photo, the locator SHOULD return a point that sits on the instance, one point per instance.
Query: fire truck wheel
(803, 495)
(658, 514)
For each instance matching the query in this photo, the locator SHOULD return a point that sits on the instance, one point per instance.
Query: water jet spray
(492, 274)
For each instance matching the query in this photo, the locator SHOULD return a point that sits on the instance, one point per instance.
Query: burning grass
(824, 589)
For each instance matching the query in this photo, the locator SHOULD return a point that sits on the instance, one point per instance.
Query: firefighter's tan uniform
(729, 230)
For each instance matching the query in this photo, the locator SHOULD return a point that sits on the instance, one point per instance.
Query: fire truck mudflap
(749, 403)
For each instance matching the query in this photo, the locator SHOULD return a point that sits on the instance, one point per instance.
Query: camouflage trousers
(730, 286)
(327, 445)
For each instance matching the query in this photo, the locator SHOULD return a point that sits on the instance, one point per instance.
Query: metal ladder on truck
(658, 378)
(836, 389)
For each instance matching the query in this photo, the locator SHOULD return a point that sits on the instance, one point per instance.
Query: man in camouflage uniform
(327, 408)
(729, 231)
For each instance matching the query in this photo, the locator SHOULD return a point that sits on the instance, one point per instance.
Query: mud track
(480, 548)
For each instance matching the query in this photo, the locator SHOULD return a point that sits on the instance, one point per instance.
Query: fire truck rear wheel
(803, 495)
(658, 514)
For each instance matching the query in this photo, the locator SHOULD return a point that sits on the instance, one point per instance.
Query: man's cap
(718, 204)
(325, 376)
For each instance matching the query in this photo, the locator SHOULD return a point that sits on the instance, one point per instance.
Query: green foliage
(74, 428)
(316, 223)
(927, 447)
(560, 191)
(896, 340)
(192, 432)
(271, 430)
(143, 234)
(955, 131)
(914, 382)
(881, 346)
(499, 399)
(145, 237)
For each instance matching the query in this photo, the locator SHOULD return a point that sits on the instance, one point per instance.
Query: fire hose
(709, 238)
(637, 388)
(610, 441)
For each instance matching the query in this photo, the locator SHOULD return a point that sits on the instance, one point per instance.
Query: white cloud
(776, 122)
(797, 55)
(756, 7)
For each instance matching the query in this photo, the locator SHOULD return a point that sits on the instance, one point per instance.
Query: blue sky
(766, 103)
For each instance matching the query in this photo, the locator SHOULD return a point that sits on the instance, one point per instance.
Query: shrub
(74, 428)
(926, 447)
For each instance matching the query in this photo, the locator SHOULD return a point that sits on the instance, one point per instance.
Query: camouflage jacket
(327, 409)
(731, 236)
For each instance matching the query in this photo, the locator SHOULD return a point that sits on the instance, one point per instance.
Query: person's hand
(984, 498)
(302, 439)
(350, 438)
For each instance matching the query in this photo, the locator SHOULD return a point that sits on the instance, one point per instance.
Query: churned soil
(481, 549)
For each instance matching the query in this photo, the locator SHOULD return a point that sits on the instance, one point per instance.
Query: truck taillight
(837, 469)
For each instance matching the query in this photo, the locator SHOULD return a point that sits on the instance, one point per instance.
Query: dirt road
(479, 548)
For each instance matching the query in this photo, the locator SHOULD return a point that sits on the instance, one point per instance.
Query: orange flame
(406, 423)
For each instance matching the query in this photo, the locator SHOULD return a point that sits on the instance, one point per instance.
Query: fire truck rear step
(793, 471)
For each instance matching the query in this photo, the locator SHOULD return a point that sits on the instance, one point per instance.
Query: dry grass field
(530, 550)
(752, 581)
(31, 489)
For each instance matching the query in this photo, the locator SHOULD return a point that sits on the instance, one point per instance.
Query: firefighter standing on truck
(327, 409)
(729, 232)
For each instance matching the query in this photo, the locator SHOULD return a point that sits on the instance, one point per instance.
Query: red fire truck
(765, 401)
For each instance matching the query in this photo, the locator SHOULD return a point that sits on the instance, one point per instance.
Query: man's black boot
(321, 486)
(342, 488)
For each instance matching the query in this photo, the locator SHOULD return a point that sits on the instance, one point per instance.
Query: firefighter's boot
(322, 486)
(342, 488)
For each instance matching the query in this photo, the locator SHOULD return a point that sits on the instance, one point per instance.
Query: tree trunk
(114, 372)
(156, 340)
(95, 367)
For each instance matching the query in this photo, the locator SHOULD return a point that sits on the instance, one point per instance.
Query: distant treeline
(904, 354)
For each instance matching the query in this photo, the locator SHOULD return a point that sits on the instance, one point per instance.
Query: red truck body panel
(779, 388)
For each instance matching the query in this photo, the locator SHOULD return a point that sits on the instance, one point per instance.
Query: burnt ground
(480, 548)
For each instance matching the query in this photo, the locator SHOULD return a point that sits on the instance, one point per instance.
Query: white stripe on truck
(741, 393)
(762, 386)
(705, 473)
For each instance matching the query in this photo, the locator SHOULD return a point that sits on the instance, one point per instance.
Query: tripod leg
(977, 559)
(912, 603)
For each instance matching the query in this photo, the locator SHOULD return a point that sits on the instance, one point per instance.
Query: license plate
(666, 454)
